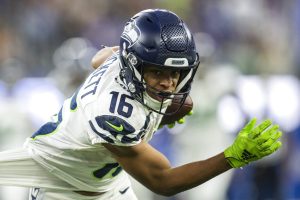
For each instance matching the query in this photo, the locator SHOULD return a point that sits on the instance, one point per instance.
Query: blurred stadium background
(250, 67)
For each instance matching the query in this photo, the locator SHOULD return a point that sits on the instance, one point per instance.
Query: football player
(101, 133)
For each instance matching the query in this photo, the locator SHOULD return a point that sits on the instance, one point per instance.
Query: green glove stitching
(253, 143)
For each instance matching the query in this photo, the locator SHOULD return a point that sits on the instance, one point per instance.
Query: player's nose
(166, 81)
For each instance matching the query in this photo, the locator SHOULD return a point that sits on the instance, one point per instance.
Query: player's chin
(155, 97)
(158, 97)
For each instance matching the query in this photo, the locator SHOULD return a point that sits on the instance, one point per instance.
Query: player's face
(162, 80)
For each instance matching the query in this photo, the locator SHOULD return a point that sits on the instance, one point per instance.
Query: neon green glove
(253, 143)
(180, 121)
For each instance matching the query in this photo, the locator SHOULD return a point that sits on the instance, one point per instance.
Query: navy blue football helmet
(159, 38)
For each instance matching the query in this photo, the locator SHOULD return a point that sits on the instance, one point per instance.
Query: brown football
(183, 111)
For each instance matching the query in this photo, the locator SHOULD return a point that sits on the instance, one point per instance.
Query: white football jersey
(101, 111)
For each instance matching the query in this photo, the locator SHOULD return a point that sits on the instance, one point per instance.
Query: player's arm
(153, 170)
(102, 55)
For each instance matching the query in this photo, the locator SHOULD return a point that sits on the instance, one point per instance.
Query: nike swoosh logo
(117, 128)
(123, 191)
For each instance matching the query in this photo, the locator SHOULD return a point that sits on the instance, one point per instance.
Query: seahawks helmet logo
(131, 33)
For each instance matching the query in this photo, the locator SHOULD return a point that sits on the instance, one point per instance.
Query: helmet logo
(132, 59)
(131, 87)
(131, 33)
(177, 62)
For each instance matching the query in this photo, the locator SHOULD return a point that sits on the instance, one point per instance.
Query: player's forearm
(153, 170)
(193, 174)
(168, 181)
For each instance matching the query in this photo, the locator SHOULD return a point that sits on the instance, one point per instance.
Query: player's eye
(156, 72)
(175, 74)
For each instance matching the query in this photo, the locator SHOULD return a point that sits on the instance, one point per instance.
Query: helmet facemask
(132, 73)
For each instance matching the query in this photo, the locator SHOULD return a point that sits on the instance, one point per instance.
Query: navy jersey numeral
(111, 168)
(124, 108)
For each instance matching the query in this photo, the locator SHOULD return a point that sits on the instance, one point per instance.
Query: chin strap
(155, 104)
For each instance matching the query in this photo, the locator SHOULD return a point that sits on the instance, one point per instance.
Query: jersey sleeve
(115, 130)
(112, 115)
(116, 120)
(107, 125)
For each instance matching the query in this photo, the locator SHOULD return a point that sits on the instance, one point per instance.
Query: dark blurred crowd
(51, 43)
(257, 36)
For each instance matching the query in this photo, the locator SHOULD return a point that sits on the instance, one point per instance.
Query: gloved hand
(180, 121)
(253, 143)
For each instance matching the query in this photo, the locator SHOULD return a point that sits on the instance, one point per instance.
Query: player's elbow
(164, 190)
(166, 193)
(164, 184)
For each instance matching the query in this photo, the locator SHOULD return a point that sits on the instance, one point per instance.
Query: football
(183, 111)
